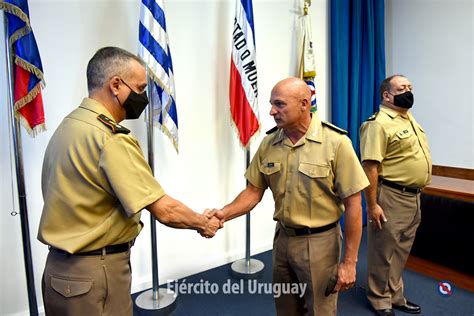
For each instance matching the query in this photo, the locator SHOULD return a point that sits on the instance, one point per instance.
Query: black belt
(106, 250)
(399, 186)
(306, 230)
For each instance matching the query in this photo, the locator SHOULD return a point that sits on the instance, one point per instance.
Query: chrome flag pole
(155, 298)
(247, 268)
(243, 94)
(20, 179)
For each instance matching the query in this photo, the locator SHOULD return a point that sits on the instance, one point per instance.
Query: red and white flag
(243, 90)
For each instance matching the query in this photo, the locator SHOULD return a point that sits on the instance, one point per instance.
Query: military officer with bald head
(315, 176)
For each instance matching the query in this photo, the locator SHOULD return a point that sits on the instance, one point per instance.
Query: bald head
(293, 87)
(291, 104)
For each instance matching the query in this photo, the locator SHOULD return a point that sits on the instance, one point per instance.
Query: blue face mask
(134, 104)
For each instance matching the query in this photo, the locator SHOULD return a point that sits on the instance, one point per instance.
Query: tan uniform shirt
(400, 145)
(309, 179)
(94, 183)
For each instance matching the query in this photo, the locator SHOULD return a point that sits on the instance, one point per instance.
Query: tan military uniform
(95, 182)
(309, 181)
(400, 145)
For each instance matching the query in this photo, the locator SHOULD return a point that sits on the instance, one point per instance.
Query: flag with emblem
(243, 89)
(155, 51)
(28, 79)
(307, 64)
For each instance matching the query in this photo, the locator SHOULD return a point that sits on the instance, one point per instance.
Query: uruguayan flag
(154, 50)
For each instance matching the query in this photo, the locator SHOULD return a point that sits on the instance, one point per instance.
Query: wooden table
(451, 188)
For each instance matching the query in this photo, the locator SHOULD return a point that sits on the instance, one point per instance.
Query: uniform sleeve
(349, 176)
(129, 174)
(253, 173)
(373, 141)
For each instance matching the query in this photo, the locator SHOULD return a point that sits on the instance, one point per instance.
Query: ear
(114, 84)
(304, 104)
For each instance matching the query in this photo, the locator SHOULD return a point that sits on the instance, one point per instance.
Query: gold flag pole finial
(307, 4)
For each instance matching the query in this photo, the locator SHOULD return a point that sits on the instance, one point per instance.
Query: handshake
(213, 221)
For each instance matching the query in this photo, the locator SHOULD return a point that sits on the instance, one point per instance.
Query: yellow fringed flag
(307, 64)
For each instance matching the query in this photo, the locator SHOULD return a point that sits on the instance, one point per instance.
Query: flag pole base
(247, 269)
(164, 305)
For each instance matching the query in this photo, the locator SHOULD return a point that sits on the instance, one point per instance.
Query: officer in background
(95, 182)
(397, 161)
(314, 175)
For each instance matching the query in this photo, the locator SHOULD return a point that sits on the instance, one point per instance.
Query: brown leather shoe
(409, 307)
(385, 312)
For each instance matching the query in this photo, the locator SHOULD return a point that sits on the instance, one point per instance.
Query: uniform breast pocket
(313, 178)
(406, 140)
(271, 171)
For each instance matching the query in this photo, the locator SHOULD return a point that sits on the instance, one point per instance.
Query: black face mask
(404, 100)
(134, 104)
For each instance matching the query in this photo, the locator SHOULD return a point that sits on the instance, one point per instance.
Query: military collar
(392, 113)
(280, 136)
(313, 133)
(96, 107)
(103, 115)
(315, 130)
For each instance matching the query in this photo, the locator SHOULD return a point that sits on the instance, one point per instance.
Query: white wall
(208, 172)
(432, 43)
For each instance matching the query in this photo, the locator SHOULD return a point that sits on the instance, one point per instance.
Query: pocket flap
(269, 168)
(313, 171)
(70, 287)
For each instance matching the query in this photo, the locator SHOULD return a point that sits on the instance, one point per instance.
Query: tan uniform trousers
(311, 260)
(75, 285)
(388, 249)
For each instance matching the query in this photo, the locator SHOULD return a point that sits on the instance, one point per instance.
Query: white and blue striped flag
(154, 50)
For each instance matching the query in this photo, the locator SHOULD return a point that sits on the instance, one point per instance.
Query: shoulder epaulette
(334, 127)
(116, 128)
(272, 130)
(373, 117)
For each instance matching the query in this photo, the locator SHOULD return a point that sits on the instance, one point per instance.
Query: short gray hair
(107, 62)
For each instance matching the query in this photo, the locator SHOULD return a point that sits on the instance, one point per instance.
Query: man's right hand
(376, 216)
(214, 221)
